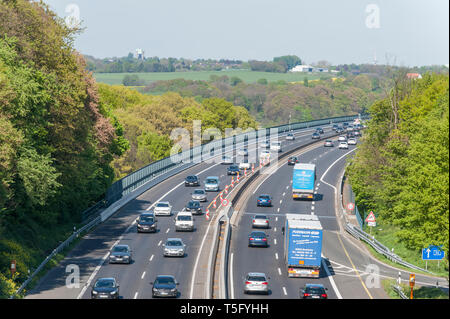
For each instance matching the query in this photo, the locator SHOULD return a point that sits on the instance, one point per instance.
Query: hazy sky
(408, 32)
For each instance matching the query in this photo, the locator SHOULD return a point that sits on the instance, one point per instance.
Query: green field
(245, 75)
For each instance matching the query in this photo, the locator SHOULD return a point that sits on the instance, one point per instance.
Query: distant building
(413, 76)
(140, 54)
(302, 68)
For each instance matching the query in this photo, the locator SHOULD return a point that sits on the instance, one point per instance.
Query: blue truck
(303, 245)
(303, 181)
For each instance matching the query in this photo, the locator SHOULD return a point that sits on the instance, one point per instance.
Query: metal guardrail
(399, 291)
(58, 249)
(379, 247)
(154, 170)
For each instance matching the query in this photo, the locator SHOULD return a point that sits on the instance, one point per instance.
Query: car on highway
(233, 170)
(276, 147)
(212, 184)
(343, 145)
(357, 133)
(120, 254)
(192, 180)
(345, 124)
(194, 207)
(335, 127)
(340, 130)
(244, 165)
(351, 141)
(227, 160)
(260, 221)
(290, 137)
(174, 247)
(293, 160)
(328, 143)
(256, 282)
(342, 138)
(184, 221)
(315, 135)
(349, 128)
(105, 288)
(258, 238)
(165, 286)
(264, 200)
(200, 195)
(243, 152)
(313, 291)
(146, 222)
(162, 208)
(264, 156)
(319, 130)
(265, 144)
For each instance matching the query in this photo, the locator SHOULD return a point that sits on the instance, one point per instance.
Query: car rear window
(211, 181)
(314, 290)
(184, 218)
(256, 278)
(146, 219)
(260, 217)
(162, 205)
(199, 191)
(174, 243)
(120, 249)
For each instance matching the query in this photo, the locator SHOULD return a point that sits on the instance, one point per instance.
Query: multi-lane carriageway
(345, 263)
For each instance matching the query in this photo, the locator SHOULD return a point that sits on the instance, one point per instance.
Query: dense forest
(64, 139)
(401, 170)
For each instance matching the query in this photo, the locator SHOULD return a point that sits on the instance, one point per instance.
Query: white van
(184, 221)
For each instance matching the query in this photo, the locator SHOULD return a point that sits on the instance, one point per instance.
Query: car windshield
(184, 218)
(234, 167)
(162, 205)
(120, 249)
(191, 177)
(164, 281)
(146, 219)
(328, 141)
(104, 284)
(199, 191)
(256, 278)
(314, 290)
(211, 181)
(193, 204)
(174, 243)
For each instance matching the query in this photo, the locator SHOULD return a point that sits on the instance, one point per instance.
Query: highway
(90, 255)
(344, 272)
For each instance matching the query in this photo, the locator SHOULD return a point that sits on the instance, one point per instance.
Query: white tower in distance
(139, 54)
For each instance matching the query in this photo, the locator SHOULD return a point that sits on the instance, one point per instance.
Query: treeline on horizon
(401, 169)
(282, 64)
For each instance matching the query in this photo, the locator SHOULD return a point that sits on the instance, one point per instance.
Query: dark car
(319, 130)
(335, 127)
(345, 124)
(233, 170)
(316, 135)
(194, 207)
(340, 130)
(164, 286)
(258, 238)
(313, 291)
(192, 180)
(146, 223)
(264, 200)
(351, 135)
(357, 133)
(105, 288)
(293, 160)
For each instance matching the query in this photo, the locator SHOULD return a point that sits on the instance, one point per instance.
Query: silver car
(342, 138)
(199, 194)
(260, 221)
(174, 247)
(120, 254)
(343, 145)
(163, 208)
(351, 141)
(256, 282)
(243, 152)
(290, 137)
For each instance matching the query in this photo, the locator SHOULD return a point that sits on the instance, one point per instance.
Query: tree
(289, 61)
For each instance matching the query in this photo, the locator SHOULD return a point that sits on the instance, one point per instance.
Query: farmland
(245, 75)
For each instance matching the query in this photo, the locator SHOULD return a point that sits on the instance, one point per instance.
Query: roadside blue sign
(433, 253)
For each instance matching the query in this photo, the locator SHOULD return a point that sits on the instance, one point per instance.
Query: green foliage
(132, 80)
(289, 61)
(402, 173)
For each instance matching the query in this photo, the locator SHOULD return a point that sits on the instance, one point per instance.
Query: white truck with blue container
(303, 245)
(303, 181)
